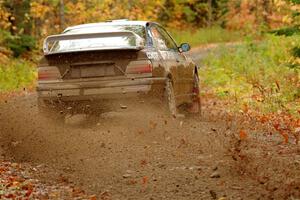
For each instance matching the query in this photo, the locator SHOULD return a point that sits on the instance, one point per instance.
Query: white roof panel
(113, 22)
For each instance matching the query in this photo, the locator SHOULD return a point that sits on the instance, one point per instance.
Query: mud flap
(196, 100)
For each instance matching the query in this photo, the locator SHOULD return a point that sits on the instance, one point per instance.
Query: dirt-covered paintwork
(174, 65)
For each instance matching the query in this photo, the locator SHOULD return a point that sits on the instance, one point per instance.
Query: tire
(170, 98)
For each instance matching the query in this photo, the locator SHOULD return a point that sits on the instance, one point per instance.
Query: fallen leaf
(29, 192)
(243, 135)
(143, 162)
(213, 194)
(285, 136)
(145, 180)
(276, 126)
(93, 197)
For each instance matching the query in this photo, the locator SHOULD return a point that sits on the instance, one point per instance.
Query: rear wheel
(170, 98)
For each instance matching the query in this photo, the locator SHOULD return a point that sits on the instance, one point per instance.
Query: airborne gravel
(142, 153)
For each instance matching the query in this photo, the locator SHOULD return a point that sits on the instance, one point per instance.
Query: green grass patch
(256, 73)
(16, 74)
(205, 36)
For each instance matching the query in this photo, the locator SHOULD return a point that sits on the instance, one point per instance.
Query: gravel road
(143, 153)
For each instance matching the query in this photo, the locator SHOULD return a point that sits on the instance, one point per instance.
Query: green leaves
(295, 1)
(288, 31)
(257, 73)
(296, 51)
(16, 74)
(21, 44)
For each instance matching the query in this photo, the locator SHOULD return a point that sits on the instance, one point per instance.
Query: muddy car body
(113, 60)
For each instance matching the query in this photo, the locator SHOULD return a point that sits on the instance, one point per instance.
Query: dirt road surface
(143, 153)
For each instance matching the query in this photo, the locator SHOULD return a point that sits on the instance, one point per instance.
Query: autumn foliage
(38, 18)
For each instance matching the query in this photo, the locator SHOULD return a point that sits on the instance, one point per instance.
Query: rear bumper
(97, 89)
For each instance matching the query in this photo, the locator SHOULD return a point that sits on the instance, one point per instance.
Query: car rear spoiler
(53, 38)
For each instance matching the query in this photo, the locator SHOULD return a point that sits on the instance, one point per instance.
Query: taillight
(139, 67)
(48, 73)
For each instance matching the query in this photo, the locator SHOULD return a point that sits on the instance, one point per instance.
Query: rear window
(99, 43)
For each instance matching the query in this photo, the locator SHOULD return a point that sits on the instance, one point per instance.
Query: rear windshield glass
(99, 43)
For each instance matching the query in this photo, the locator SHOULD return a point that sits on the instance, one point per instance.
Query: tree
(62, 14)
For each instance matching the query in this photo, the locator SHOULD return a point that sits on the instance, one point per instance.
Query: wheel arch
(196, 69)
(170, 77)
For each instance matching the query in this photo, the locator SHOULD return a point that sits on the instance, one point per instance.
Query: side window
(162, 40)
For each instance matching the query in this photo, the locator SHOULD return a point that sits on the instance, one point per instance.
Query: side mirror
(184, 47)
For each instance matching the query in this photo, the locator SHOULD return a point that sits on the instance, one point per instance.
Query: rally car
(116, 59)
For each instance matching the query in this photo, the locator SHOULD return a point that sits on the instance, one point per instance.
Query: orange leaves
(145, 180)
(77, 192)
(281, 122)
(287, 125)
(105, 195)
(245, 15)
(143, 163)
(80, 12)
(282, 132)
(243, 135)
(4, 17)
(28, 193)
(245, 108)
(152, 125)
(297, 134)
(263, 119)
(285, 136)
(276, 126)
(39, 10)
(17, 186)
(93, 197)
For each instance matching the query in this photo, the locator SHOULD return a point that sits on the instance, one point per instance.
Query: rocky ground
(142, 153)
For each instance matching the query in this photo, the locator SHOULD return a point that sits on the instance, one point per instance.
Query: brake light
(139, 67)
(48, 73)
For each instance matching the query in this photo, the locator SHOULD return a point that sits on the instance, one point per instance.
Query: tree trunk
(266, 11)
(209, 13)
(62, 14)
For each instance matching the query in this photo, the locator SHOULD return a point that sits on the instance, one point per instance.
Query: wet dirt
(138, 151)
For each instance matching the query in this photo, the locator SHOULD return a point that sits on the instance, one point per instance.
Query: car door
(180, 67)
(168, 51)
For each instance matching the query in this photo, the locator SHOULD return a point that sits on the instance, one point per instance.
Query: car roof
(111, 22)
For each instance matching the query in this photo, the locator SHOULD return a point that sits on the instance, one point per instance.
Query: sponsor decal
(153, 55)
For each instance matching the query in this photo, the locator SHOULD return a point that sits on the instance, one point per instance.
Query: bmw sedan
(116, 59)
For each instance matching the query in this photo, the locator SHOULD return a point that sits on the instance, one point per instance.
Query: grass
(205, 36)
(16, 74)
(257, 74)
